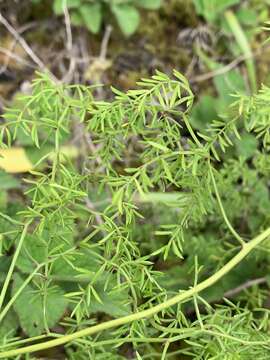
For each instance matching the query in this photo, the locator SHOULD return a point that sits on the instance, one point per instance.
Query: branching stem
(187, 294)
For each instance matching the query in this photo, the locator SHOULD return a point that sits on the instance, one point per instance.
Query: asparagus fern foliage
(140, 246)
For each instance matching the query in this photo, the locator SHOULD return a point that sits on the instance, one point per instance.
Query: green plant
(90, 13)
(212, 10)
(238, 23)
(119, 246)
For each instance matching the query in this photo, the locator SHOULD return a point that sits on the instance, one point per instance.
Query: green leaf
(34, 251)
(4, 266)
(168, 198)
(35, 311)
(82, 260)
(247, 146)
(244, 46)
(229, 83)
(150, 4)
(260, 196)
(58, 5)
(113, 300)
(76, 18)
(211, 9)
(106, 297)
(127, 17)
(37, 248)
(247, 17)
(92, 16)
(8, 181)
(203, 112)
(158, 146)
(8, 326)
(226, 83)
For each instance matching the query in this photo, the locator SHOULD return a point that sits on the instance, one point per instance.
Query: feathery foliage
(143, 227)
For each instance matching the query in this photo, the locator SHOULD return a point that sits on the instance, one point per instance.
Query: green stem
(246, 249)
(8, 218)
(18, 292)
(82, 279)
(227, 221)
(12, 265)
(243, 43)
(32, 339)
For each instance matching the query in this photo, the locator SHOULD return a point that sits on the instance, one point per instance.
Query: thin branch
(69, 46)
(224, 69)
(105, 42)
(227, 221)
(68, 26)
(12, 265)
(12, 55)
(231, 293)
(25, 46)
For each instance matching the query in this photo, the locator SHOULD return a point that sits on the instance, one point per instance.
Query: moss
(155, 44)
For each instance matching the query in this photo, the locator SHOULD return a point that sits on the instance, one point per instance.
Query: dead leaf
(14, 160)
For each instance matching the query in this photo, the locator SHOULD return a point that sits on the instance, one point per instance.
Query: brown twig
(12, 55)
(105, 42)
(231, 293)
(220, 71)
(10, 51)
(69, 46)
(68, 26)
(25, 46)
(228, 67)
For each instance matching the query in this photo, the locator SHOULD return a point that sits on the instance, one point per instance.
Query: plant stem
(242, 42)
(8, 218)
(12, 265)
(246, 249)
(227, 221)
